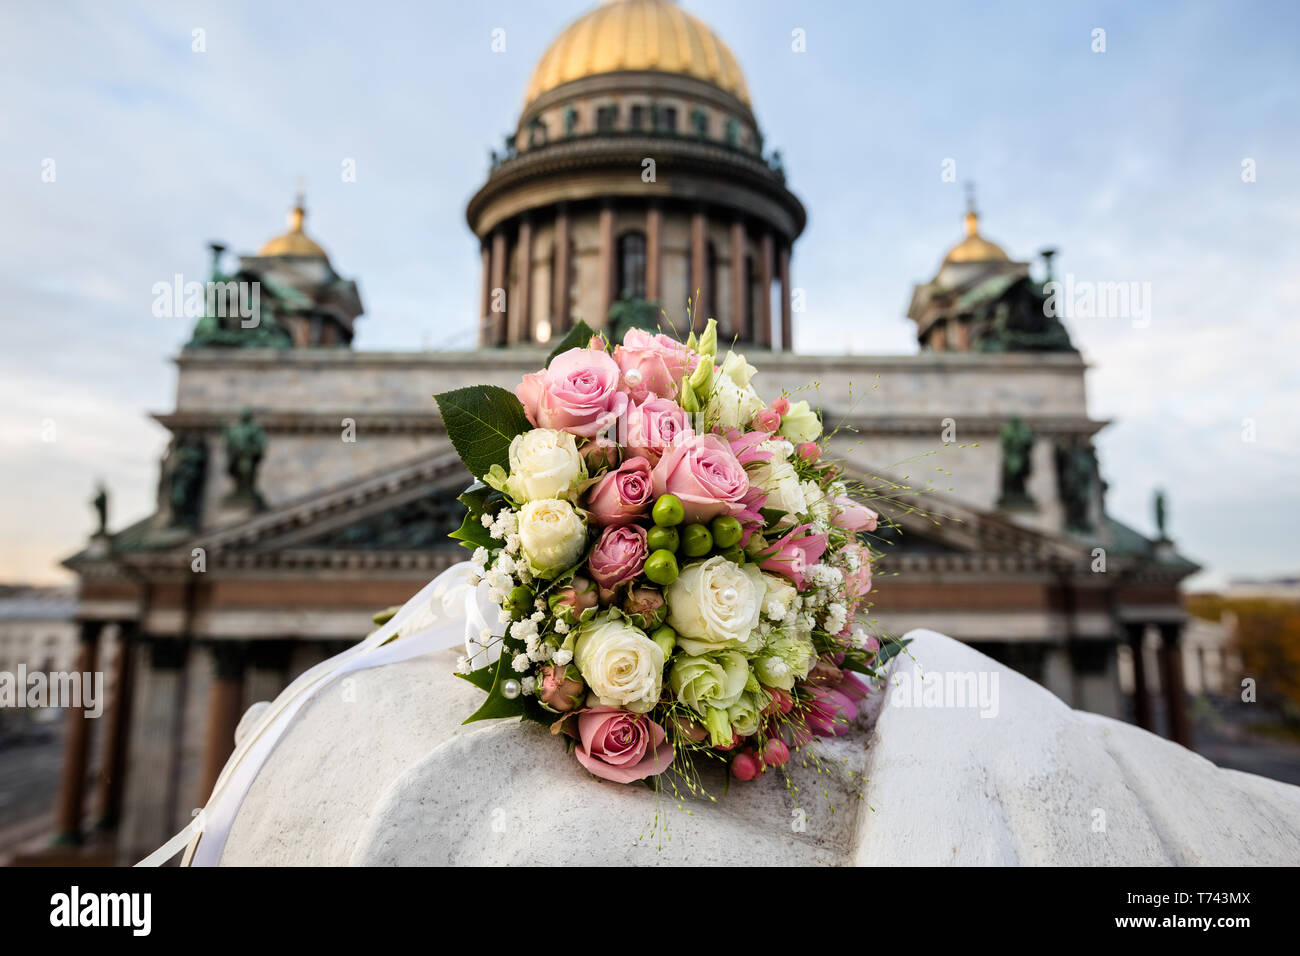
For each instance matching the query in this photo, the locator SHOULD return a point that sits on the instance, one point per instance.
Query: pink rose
(677, 357)
(577, 393)
(623, 495)
(851, 516)
(768, 420)
(646, 373)
(621, 746)
(794, 553)
(781, 405)
(618, 557)
(702, 471)
(654, 425)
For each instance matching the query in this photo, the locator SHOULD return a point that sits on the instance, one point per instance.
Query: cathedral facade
(309, 485)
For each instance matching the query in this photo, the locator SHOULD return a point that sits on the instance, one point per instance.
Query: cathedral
(309, 484)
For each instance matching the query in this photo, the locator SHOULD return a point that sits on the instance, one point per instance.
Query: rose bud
(645, 608)
(600, 453)
(561, 688)
(781, 405)
(572, 604)
(775, 753)
(810, 451)
(744, 767)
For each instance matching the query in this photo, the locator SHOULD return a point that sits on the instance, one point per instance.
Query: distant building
(308, 485)
(38, 628)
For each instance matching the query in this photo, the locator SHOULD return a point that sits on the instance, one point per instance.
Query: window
(637, 117)
(606, 118)
(667, 120)
(700, 122)
(631, 265)
(570, 120)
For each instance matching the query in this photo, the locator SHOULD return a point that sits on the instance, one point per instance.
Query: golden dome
(295, 242)
(975, 248)
(654, 35)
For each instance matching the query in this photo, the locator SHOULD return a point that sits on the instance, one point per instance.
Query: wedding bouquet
(678, 570)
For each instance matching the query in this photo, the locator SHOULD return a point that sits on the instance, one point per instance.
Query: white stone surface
(377, 770)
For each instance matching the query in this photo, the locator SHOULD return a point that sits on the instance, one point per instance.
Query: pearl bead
(510, 688)
(730, 595)
(633, 376)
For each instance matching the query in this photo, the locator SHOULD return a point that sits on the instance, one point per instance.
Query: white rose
(715, 604)
(800, 423)
(621, 666)
(552, 536)
(732, 405)
(784, 490)
(544, 463)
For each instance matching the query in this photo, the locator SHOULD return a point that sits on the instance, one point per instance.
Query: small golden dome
(654, 35)
(975, 248)
(295, 242)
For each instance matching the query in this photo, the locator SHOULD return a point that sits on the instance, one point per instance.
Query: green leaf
(481, 678)
(498, 705)
(481, 421)
(888, 650)
(471, 533)
(576, 338)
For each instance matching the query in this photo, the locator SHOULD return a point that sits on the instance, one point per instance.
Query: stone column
(1134, 635)
(76, 745)
(606, 265)
(150, 806)
(497, 294)
(1171, 660)
(764, 305)
(225, 707)
(485, 300)
(653, 245)
(560, 277)
(739, 320)
(699, 264)
(522, 313)
(787, 310)
(113, 773)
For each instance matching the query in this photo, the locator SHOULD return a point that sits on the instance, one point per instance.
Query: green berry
(661, 567)
(696, 541)
(735, 554)
(668, 511)
(662, 539)
(726, 531)
(520, 600)
(666, 638)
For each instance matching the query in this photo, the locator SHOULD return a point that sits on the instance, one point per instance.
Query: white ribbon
(445, 612)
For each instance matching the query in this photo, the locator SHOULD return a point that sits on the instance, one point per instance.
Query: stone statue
(185, 479)
(1162, 514)
(245, 444)
(1076, 474)
(100, 501)
(1017, 443)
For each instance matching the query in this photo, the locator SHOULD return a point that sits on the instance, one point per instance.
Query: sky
(1170, 158)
